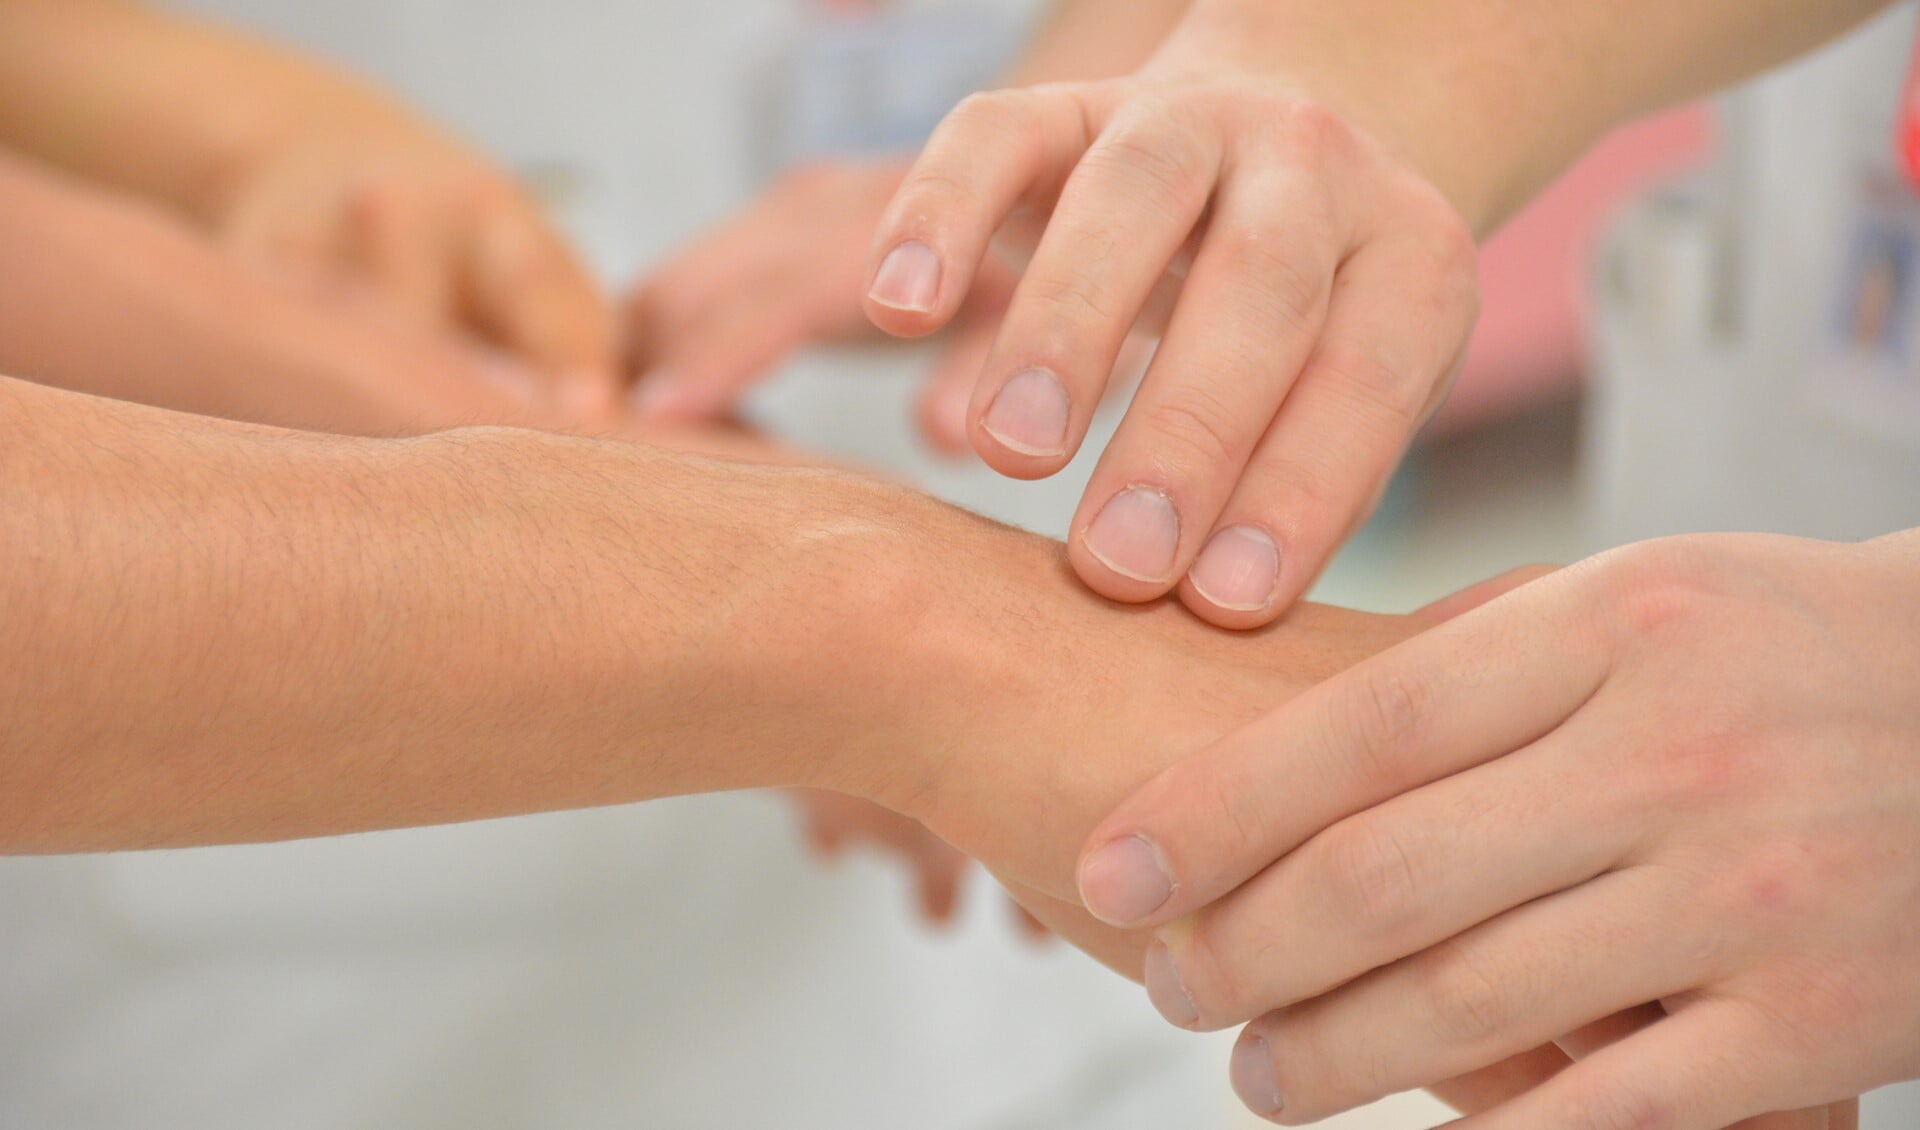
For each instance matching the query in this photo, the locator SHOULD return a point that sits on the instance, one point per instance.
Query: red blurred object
(1909, 139)
(1531, 343)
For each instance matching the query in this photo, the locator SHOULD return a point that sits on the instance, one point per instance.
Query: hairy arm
(221, 632)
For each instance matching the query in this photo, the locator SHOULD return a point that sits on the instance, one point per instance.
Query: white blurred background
(683, 965)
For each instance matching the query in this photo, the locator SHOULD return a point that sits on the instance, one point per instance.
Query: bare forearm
(222, 633)
(1093, 39)
(153, 101)
(1493, 98)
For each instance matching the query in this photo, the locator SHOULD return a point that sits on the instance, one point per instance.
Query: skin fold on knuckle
(1470, 1005)
(1192, 437)
(1158, 171)
(1368, 875)
(1279, 283)
(1376, 725)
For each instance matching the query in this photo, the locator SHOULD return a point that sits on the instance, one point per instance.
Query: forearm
(225, 633)
(1093, 39)
(1493, 98)
(103, 294)
(155, 102)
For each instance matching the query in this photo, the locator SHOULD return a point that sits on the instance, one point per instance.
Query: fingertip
(1025, 429)
(908, 279)
(1128, 550)
(1126, 881)
(1235, 581)
(943, 416)
(908, 293)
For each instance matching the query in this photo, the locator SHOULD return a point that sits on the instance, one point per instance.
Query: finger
(948, 389)
(399, 240)
(525, 291)
(943, 400)
(1492, 681)
(1396, 879)
(1480, 998)
(704, 372)
(992, 152)
(1400, 318)
(1491, 1086)
(1587, 1041)
(1118, 950)
(1126, 210)
(1708, 1066)
(1483, 592)
(1243, 327)
(940, 870)
(1030, 927)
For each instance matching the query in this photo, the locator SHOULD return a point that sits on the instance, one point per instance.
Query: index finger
(1469, 691)
(991, 154)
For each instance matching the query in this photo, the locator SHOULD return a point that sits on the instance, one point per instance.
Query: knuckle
(1655, 588)
(1468, 1004)
(1314, 131)
(1268, 258)
(1165, 166)
(1369, 876)
(1381, 722)
(1004, 115)
(1072, 301)
(934, 191)
(1369, 376)
(1195, 430)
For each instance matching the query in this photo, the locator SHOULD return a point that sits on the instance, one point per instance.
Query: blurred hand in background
(785, 274)
(308, 168)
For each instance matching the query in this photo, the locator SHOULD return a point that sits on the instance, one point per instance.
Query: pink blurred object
(1531, 341)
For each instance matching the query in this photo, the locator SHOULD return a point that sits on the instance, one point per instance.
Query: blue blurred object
(872, 79)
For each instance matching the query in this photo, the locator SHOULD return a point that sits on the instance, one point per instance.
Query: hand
(785, 274)
(1682, 773)
(109, 294)
(834, 821)
(1322, 294)
(357, 188)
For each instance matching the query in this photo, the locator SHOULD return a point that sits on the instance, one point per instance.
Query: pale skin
(302, 166)
(1765, 971)
(1306, 178)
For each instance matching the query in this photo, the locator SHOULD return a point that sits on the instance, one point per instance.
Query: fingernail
(1238, 570)
(1137, 534)
(1030, 414)
(1126, 881)
(1253, 1078)
(1165, 990)
(909, 278)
